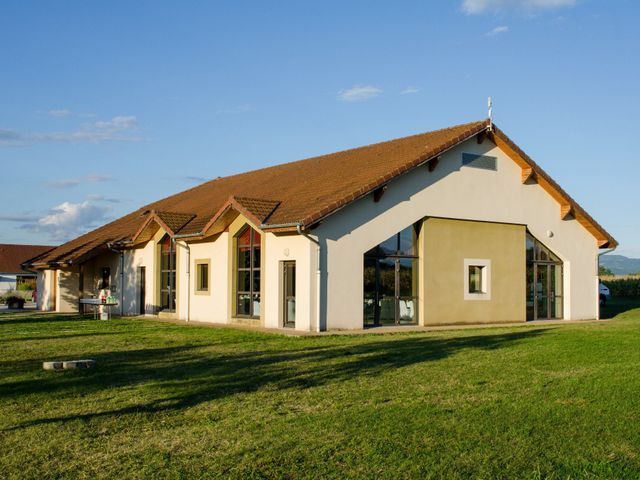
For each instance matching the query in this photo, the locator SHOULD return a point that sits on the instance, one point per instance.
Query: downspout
(188, 248)
(608, 250)
(318, 271)
(121, 252)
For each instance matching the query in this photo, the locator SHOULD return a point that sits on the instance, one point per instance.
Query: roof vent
(484, 162)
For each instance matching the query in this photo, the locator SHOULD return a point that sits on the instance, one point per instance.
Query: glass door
(289, 293)
(542, 291)
(167, 275)
(391, 281)
(407, 295)
(544, 282)
(387, 291)
(142, 299)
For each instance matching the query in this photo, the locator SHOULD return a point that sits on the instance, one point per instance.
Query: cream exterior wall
(451, 191)
(67, 291)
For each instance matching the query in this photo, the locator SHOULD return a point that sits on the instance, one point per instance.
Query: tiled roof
(175, 221)
(302, 192)
(13, 255)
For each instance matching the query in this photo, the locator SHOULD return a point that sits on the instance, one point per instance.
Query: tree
(602, 270)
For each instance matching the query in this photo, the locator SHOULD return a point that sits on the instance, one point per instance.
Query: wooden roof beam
(566, 211)
(379, 192)
(527, 174)
(433, 163)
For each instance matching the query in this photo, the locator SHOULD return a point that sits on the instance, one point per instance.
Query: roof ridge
(375, 144)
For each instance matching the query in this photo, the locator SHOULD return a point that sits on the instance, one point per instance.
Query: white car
(605, 294)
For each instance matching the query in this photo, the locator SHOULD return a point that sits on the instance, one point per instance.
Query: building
(448, 227)
(11, 257)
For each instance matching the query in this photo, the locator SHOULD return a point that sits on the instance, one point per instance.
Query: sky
(107, 106)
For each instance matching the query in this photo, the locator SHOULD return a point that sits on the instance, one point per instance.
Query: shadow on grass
(186, 376)
(24, 338)
(617, 305)
(38, 317)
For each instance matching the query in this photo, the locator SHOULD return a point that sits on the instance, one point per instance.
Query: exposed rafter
(527, 175)
(566, 211)
(379, 192)
(433, 163)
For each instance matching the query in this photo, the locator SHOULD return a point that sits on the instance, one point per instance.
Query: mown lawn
(170, 401)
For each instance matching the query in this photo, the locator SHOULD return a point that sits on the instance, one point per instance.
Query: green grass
(170, 401)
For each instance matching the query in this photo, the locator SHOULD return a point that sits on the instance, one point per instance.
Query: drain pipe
(318, 271)
(608, 250)
(188, 249)
(121, 252)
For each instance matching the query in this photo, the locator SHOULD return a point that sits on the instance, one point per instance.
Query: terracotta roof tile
(304, 191)
(13, 255)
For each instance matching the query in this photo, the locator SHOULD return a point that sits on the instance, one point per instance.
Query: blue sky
(110, 105)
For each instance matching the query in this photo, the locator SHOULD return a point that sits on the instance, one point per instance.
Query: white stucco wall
(452, 191)
(290, 248)
(211, 306)
(45, 300)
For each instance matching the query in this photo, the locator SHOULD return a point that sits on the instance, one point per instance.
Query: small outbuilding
(11, 258)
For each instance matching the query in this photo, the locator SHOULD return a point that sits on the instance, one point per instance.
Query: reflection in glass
(248, 273)
(544, 282)
(391, 281)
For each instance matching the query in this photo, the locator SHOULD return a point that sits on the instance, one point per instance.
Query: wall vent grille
(484, 162)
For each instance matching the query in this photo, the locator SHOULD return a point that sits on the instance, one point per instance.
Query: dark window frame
(251, 271)
(170, 271)
(480, 287)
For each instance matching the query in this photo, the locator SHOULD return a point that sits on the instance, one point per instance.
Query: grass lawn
(169, 401)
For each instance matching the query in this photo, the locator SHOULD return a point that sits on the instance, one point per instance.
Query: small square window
(477, 279)
(202, 276)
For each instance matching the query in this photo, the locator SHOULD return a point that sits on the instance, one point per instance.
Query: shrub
(623, 286)
(25, 287)
(5, 297)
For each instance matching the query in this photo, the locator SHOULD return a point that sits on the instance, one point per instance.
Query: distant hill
(621, 265)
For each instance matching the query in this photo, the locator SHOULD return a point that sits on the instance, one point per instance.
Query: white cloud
(359, 93)
(497, 31)
(94, 197)
(59, 113)
(409, 90)
(474, 7)
(118, 129)
(69, 220)
(74, 182)
(237, 109)
(18, 218)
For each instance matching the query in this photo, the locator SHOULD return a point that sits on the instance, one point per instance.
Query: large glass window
(167, 274)
(248, 273)
(391, 281)
(544, 281)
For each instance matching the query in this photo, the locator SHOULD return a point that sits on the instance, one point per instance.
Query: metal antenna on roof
(490, 108)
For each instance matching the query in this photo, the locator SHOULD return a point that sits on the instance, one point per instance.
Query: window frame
(198, 264)
(485, 279)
